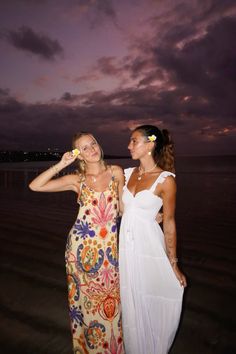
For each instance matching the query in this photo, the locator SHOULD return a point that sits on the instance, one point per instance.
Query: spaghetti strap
(128, 172)
(80, 190)
(112, 171)
(160, 179)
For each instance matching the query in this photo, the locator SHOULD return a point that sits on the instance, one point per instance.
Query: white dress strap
(128, 173)
(160, 179)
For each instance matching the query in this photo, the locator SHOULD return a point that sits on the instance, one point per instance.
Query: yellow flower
(152, 137)
(75, 152)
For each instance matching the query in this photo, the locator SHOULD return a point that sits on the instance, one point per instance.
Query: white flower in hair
(152, 137)
(75, 152)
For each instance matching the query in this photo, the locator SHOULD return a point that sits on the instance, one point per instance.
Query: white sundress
(151, 296)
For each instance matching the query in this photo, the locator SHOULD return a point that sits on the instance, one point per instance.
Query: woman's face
(138, 145)
(89, 149)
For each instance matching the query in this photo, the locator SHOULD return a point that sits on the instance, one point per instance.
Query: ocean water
(185, 165)
(206, 192)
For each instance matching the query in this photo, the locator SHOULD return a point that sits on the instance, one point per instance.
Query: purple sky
(106, 66)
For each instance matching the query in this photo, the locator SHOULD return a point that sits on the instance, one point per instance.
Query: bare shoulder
(118, 171)
(169, 184)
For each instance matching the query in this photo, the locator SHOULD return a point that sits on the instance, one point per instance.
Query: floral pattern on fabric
(92, 274)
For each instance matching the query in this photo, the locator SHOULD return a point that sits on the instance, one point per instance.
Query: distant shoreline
(40, 156)
(37, 156)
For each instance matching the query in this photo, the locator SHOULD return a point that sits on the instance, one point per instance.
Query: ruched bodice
(145, 203)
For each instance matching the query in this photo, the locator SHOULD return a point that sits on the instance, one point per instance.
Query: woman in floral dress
(91, 250)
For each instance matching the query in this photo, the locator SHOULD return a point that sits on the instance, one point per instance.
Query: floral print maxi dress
(92, 273)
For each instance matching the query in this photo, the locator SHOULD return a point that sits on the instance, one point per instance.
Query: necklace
(93, 177)
(142, 172)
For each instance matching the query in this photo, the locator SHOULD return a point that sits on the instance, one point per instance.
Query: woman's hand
(159, 218)
(68, 158)
(46, 181)
(179, 275)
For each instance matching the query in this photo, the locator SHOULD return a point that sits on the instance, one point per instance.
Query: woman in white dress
(151, 283)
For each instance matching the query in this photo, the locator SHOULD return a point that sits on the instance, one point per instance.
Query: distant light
(187, 98)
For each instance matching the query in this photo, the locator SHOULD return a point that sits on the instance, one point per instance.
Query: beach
(33, 230)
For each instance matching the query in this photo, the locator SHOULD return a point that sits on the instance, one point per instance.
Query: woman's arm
(46, 183)
(119, 175)
(168, 195)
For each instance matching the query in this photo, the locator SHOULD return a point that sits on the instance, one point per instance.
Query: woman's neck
(147, 164)
(94, 168)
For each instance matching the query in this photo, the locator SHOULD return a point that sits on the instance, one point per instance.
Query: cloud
(108, 66)
(106, 7)
(41, 81)
(4, 93)
(110, 117)
(205, 67)
(36, 43)
(23, 2)
(96, 11)
(92, 76)
(105, 67)
(125, 71)
(9, 105)
(181, 76)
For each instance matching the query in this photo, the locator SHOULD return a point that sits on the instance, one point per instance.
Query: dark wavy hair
(163, 152)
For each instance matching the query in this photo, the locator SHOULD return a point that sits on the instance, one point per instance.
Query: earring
(149, 153)
(82, 164)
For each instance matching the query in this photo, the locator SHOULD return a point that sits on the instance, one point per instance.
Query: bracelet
(173, 260)
(54, 168)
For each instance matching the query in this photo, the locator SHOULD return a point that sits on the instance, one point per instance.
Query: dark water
(33, 230)
(184, 165)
